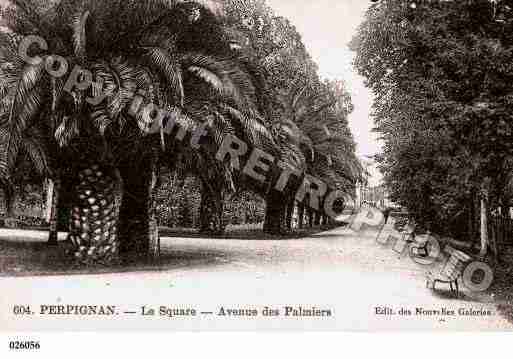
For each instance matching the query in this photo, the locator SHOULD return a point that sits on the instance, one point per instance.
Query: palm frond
(78, 25)
(29, 80)
(101, 119)
(224, 77)
(221, 127)
(293, 156)
(8, 82)
(9, 58)
(24, 106)
(181, 119)
(5, 169)
(67, 131)
(146, 82)
(118, 81)
(289, 130)
(297, 96)
(315, 112)
(169, 68)
(34, 145)
(126, 82)
(253, 129)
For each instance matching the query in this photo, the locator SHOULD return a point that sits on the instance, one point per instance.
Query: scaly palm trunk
(93, 229)
(211, 211)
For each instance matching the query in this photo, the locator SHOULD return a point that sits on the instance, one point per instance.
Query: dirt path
(338, 271)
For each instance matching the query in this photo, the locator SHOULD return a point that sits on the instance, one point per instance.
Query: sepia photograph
(255, 166)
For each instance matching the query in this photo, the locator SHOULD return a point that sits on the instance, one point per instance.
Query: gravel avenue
(337, 280)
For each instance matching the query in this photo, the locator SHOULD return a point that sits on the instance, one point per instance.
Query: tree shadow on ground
(21, 259)
(25, 257)
(330, 235)
(242, 234)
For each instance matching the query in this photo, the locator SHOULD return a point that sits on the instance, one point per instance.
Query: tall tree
(442, 103)
(275, 54)
(153, 49)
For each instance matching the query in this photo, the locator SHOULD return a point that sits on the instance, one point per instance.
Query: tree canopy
(441, 75)
(229, 67)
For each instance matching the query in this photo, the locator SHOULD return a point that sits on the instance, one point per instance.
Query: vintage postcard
(255, 165)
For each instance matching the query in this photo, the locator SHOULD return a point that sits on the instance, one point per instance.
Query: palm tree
(319, 115)
(27, 174)
(157, 49)
(30, 147)
(227, 113)
(290, 141)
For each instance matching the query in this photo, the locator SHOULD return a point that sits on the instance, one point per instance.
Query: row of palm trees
(177, 56)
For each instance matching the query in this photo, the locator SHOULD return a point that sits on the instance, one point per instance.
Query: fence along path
(501, 230)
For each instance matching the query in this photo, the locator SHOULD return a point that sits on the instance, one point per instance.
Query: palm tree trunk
(317, 218)
(154, 251)
(138, 231)
(64, 205)
(10, 201)
(49, 187)
(301, 215)
(289, 213)
(274, 214)
(310, 214)
(211, 210)
(93, 229)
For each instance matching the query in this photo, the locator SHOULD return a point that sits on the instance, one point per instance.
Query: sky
(327, 26)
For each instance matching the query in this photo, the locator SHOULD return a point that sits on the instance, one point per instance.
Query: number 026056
(24, 345)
